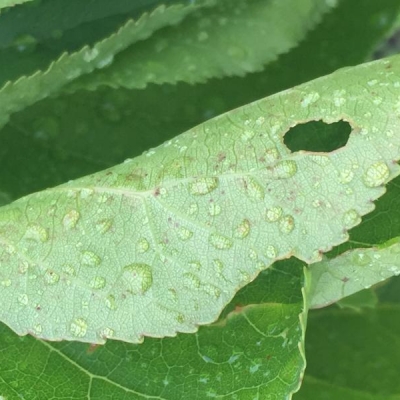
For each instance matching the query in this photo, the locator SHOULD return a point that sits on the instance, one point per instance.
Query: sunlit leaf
(233, 38)
(170, 236)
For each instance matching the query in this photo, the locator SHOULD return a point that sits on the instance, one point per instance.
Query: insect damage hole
(318, 136)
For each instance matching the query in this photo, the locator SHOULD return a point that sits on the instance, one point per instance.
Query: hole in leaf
(317, 136)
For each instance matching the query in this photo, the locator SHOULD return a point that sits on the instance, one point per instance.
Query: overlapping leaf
(352, 355)
(233, 38)
(353, 271)
(15, 96)
(158, 237)
(254, 350)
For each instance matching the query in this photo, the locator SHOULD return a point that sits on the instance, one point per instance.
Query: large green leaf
(229, 39)
(10, 3)
(15, 96)
(352, 271)
(352, 355)
(254, 351)
(168, 239)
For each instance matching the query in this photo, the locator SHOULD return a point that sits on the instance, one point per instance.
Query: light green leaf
(352, 355)
(352, 271)
(15, 96)
(10, 3)
(169, 239)
(233, 38)
(254, 351)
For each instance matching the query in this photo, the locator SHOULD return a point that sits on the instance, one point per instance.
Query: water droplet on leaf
(184, 233)
(71, 219)
(273, 214)
(98, 282)
(286, 224)
(138, 277)
(78, 327)
(376, 174)
(143, 245)
(90, 259)
(51, 277)
(37, 233)
(243, 229)
(220, 242)
(203, 186)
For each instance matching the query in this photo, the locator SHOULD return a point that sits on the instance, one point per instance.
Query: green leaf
(10, 3)
(15, 96)
(159, 232)
(352, 355)
(254, 351)
(223, 41)
(352, 271)
(47, 17)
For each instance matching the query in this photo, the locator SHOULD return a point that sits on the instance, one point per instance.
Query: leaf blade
(157, 234)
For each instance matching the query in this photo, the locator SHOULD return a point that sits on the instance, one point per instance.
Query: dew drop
(86, 193)
(104, 225)
(247, 135)
(253, 255)
(253, 189)
(243, 229)
(203, 186)
(286, 224)
(214, 209)
(25, 43)
(37, 233)
(138, 277)
(273, 214)
(346, 176)
(195, 265)
(90, 259)
(37, 329)
(271, 155)
(143, 245)
(220, 242)
(90, 54)
(98, 282)
(271, 252)
(23, 299)
(51, 277)
(286, 169)
(107, 333)
(309, 99)
(193, 209)
(212, 290)
(218, 265)
(351, 218)
(192, 281)
(69, 270)
(78, 327)
(180, 318)
(184, 233)
(361, 259)
(110, 302)
(376, 174)
(320, 160)
(105, 62)
(71, 219)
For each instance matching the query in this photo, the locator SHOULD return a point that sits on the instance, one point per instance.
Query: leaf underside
(161, 243)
